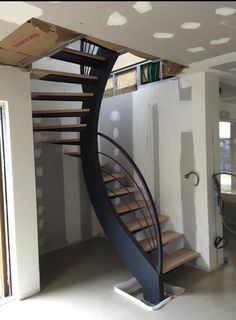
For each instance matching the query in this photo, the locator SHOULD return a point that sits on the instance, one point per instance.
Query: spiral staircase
(133, 225)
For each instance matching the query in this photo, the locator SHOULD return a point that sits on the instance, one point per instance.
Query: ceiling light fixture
(163, 35)
(116, 19)
(219, 41)
(190, 25)
(142, 6)
(196, 49)
(225, 11)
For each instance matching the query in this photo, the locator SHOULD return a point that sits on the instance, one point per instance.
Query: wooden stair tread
(64, 141)
(60, 113)
(68, 96)
(177, 258)
(132, 206)
(166, 237)
(79, 57)
(122, 191)
(68, 127)
(73, 154)
(38, 74)
(113, 176)
(85, 54)
(138, 224)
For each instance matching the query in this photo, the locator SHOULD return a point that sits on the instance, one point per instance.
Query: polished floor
(77, 283)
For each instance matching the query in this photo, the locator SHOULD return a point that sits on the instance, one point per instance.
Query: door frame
(5, 283)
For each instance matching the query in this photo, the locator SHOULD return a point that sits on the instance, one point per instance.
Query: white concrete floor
(77, 283)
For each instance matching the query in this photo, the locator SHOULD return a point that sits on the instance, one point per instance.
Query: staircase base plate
(132, 290)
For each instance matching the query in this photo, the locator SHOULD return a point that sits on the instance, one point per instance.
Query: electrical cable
(220, 203)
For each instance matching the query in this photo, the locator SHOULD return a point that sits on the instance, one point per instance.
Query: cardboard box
(33, 39)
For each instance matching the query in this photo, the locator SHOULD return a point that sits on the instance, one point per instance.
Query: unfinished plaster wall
(185, 108)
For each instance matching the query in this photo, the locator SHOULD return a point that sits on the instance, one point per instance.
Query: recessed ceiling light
(225, 11)
(163, 35)
(219, 41)
(142, 6)
(232, 70)
(190, 25)
(196, 49)
(116, 19)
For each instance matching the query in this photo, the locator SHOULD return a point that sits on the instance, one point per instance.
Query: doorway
(5, 283)
(227, 135)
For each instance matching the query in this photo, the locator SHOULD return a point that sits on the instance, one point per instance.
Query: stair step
(62, 128)
(70, 142)
(112, 177)
(132, 206)
(122, 191)
(177, 258)
(79, 57)
(73, 154)
(62, 96)
(60, 113)
(58, 76)
(139, 224)
(166, 236)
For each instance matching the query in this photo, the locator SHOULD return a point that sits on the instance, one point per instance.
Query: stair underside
(62, 96)
(62, 128)
(122, 191)
(71, 142)
(79, 57)
(112, 177)
(60, 113)
(177, 258)
(166, 236)
(138, 224)
(57, 76)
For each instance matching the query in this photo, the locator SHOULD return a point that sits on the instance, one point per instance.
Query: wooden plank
(113, 176)
(71, 142)
(122, 191)
(73, 154)
(64, 94)
(177, 258)
(138, 224)
(166, 237)
(60, 113)
(131, 206)
(85, 54)
(37, 74)
(170, 236)
(68, 127)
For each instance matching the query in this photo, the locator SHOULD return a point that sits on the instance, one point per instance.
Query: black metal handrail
(152, 244)
(157, 227)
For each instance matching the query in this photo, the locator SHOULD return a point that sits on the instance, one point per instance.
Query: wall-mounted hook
(186, 176)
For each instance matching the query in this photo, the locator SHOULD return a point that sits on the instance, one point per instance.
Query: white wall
(198, 118)
(15, 90)
(230, 108)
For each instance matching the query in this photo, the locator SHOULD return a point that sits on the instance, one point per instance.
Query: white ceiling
(91, 18)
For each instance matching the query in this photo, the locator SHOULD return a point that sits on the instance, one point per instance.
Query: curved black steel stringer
(128, 248)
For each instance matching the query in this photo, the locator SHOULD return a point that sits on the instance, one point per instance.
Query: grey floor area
(77, 283)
